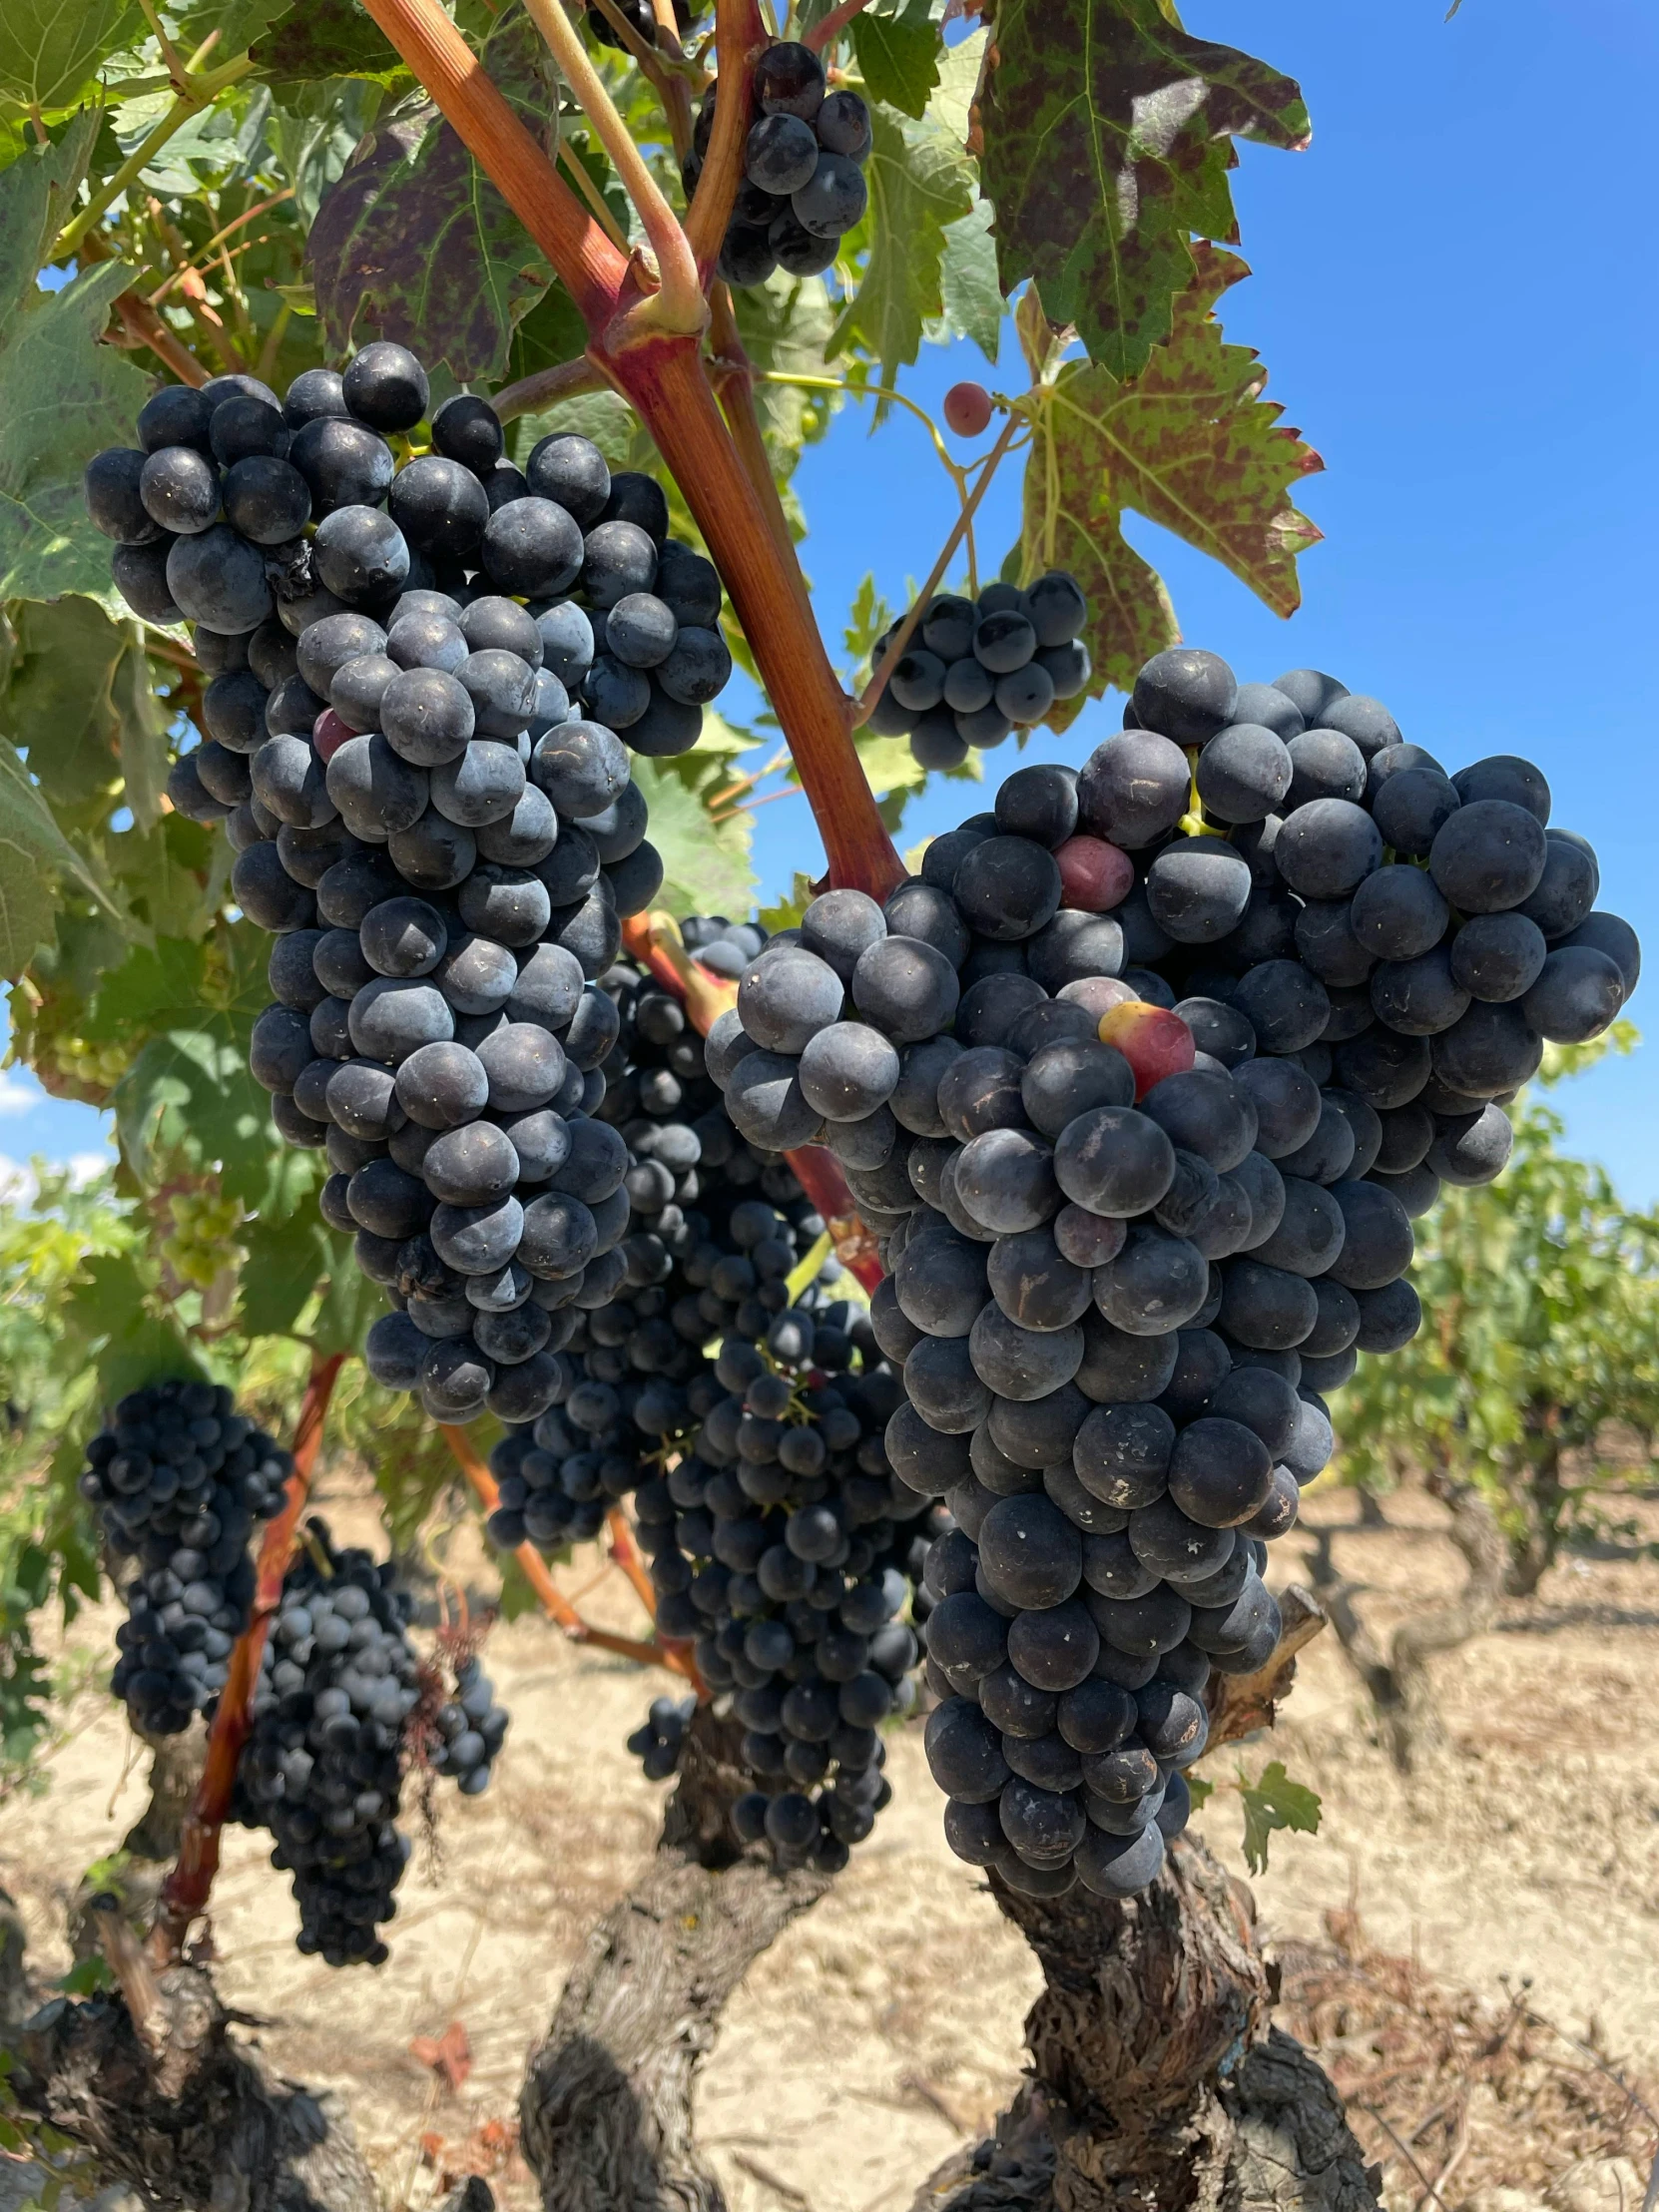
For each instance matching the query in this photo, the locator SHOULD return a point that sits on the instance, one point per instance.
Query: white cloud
(19, 1094)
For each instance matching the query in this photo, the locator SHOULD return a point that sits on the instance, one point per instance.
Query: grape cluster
(780, 1544)
(803, 182)
(976, 668)
(179, 1479)
(1142, 1085)
(342, 1705)
(775, 1541)
(418, 680)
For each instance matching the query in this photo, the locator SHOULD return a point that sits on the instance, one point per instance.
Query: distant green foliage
(1540, 1329)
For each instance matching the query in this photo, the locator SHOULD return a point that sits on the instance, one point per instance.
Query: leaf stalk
(195, 94)
(678, 304)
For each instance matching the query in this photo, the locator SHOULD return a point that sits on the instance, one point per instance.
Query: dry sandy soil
(887, 2023)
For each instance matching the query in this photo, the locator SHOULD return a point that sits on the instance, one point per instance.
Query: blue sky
(1452, 295)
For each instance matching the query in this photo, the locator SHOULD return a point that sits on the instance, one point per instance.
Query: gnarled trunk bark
(150, 2081)
(606, 2113)
(1157, 2080)
(1158, 2084)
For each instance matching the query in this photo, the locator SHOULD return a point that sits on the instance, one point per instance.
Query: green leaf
(313, 40)
(61, 704)
(26, 910)
(33, 849)
(868, 618)
(969, 284)
(414, 244)
(285, 1258)
(1274, 1802)
(168, 872)
(1105, 138)
(141, 727)
(154, 984)
(1201, 1790)
(37, 197)
(63, 396)
(551, 332)
(350, 1304)
(87, 1978)
(787, 913)
(920, 182)
(786, 326)
(108, 1317)
(313, 135)
(898, 55)
(188, 1099)
(707, 866)
(50, 52)
(1190, 444)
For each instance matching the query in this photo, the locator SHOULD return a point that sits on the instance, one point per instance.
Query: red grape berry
(1154, 1041)
(329, 734)
(968, 409)
(1094, 875)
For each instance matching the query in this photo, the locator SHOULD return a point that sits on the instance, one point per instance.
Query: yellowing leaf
(1190, 444)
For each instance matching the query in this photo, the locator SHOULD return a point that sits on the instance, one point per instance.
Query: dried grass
(1452, 2094)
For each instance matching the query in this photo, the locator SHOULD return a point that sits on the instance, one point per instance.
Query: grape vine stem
(664, 377)
(740, 38)
(552, 1600)
(195, 94)
(678, 304)
(186, 1892)
(655, 942)
(567, 380)
(667, 81)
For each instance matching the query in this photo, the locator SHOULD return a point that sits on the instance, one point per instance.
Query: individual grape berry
(967, 410)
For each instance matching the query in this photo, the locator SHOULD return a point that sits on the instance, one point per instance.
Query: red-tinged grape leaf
(1074, 523)
(318, 39)
(1198, 449)
(1104, 133)
(898, 55)
(1190, 444)
(414, 243)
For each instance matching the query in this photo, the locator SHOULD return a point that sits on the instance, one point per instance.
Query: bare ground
(1518, 1873)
